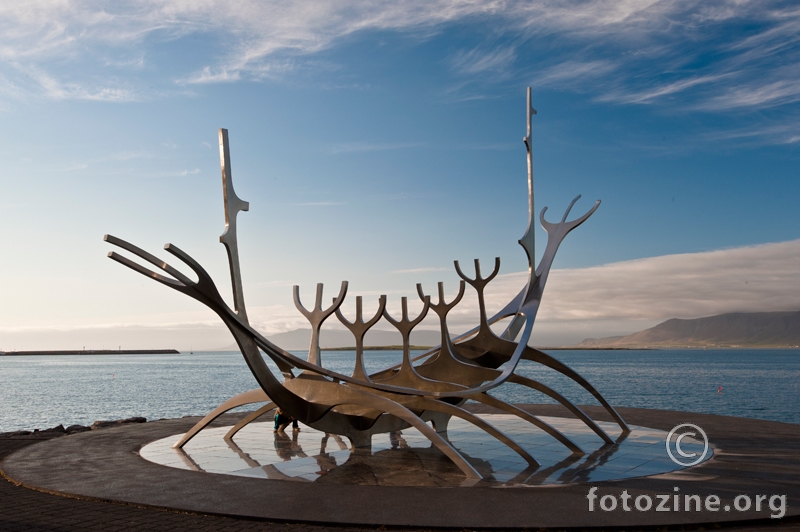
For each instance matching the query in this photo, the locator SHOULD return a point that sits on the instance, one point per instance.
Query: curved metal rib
(580, 414)
(546, 360)
(502, 349)
(527, 416)
(253, 396)
(252, 416)
(445, 408)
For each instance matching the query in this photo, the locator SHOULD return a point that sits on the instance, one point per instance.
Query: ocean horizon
(43, 391)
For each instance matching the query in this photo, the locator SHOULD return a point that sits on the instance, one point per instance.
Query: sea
(38, 392)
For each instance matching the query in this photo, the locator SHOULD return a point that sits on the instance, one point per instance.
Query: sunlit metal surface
(430, 388)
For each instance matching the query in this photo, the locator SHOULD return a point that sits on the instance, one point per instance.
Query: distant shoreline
(92, 352)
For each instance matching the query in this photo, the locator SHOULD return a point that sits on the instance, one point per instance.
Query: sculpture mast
(529, 238)
(232, 207)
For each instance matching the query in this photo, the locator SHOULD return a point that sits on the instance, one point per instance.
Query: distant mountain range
(739, 329)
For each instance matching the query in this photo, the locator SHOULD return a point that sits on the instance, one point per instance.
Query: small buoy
(719, 390)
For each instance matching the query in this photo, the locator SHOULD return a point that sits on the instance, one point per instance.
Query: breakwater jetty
(93, 352)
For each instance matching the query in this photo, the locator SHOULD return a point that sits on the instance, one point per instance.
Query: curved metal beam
(469, 417)
(546, 360)
(252, 416)
(253, 396)
(539, 387)
(527, 416)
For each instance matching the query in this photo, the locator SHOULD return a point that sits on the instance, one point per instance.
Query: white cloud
(625, 297)
(256, 30)
(632, 295)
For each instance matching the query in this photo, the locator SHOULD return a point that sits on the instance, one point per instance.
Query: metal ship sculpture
(430, 388)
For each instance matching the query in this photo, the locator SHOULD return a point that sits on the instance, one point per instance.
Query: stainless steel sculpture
(432, 387)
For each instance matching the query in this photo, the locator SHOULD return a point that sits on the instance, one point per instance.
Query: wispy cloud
(135, 63)
(207, 76)
(573, 73)
(759, 134)
(780, 92)
(712, 56)
(652, 94)
(52, 88)
(475, 61)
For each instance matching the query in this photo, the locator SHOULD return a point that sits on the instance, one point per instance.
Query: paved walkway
(22, 509)
(27, 510)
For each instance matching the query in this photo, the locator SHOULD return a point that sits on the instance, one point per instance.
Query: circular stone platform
(751, 458)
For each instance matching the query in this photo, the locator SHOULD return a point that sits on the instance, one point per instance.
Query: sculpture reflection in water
(406, 458)
(431, 388)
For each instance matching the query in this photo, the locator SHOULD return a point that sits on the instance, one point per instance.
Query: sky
(379, 141)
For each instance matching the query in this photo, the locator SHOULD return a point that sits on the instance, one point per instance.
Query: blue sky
(378, 141)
